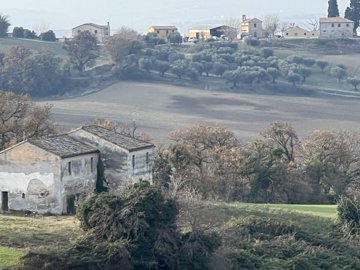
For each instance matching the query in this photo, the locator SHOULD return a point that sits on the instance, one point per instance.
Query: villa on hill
(336, 27)
(251, 28)
(102, 32)
(163, 31)
(52, 174)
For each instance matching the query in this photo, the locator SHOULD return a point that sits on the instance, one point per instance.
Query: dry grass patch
(29, 232)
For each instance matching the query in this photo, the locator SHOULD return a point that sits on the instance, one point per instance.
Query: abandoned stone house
(50, 175)
(125, 160)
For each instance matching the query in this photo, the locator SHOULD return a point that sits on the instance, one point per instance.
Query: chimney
(244, 18)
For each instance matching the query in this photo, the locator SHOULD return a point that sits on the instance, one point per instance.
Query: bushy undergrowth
(349, 216)
(266, 243)
(134, 231)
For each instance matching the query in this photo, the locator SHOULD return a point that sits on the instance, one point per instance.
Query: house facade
(297, 32)
(336, 27)
(102, 32)
(125, 160)
(163, 31)
(199, 34)
(251, 28)
(47, 175)
(224, 31)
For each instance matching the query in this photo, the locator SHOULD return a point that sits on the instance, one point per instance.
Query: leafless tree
(21, 119)
(271, 24)
(313, 24)
(235, 28)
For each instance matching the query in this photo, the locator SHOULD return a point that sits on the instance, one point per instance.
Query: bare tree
(234, 28)
(313, 24)
(21, 119)
(124, 43)
(271, 24)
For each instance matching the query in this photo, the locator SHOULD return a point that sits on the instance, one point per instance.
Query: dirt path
(159, 108)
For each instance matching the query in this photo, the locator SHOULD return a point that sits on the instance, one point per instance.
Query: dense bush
(349, 215)
(136, 230)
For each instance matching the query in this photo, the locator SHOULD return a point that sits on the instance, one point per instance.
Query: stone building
(297, 32)
(50, 175)
(47, 175)
(251, 28)
(163, 31)
(126, 160)
(199, 33)
(102, 32)
(336, 27)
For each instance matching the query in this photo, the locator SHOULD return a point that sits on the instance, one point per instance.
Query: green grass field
(9, 256)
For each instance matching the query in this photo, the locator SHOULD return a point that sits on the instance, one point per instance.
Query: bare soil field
(159, 108)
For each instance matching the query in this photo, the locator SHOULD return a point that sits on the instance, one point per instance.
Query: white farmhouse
(102, 32)
(47, 175)
(336, 27)
(51, 175)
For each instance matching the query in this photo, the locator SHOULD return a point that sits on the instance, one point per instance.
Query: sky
(63, 15)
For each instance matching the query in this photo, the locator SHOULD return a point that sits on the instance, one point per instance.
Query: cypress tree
(353, 13)
(333, 9)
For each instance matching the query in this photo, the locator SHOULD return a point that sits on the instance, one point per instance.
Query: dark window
(133, 162)
(95, 31)
(92, 164)
(255, 25)
(147, 159)
(69, 167)
(157, 31)
(167, 31)
(173, 31)
(23, 196)
(332, 25)
(347, 25)
(5, 201)
(339, 25)
(304, 34)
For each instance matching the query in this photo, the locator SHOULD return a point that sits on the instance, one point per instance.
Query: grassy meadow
(20, 234)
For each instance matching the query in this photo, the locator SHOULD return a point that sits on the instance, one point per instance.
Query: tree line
(277, 167)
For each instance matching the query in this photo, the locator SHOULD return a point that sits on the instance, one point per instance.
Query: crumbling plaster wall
(31, 176)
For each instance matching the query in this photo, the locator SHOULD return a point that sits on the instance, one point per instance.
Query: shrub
(252, 42)
(348, 213)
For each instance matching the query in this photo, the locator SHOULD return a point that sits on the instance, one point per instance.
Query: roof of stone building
(160, 27)
(63, 146)
(94, 25)
(334, 20)
(129, 143)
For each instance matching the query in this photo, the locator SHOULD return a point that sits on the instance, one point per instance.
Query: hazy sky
(140, 14)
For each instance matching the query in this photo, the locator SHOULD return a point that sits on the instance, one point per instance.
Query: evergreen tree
(333, 9)
(353, 13)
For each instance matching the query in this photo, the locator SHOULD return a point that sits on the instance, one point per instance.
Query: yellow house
(199, 34)
(163, 31)
(297, 32)
(251, 28)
